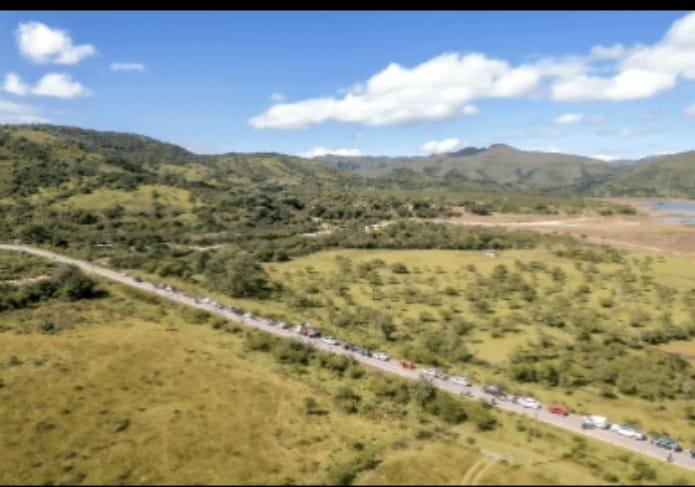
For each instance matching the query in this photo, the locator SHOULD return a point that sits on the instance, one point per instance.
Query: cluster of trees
(69, 284)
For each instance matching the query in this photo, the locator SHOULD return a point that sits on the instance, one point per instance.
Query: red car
(408, 365)
(558, 410)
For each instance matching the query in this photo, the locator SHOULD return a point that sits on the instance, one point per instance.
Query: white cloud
(15, 85)
(12, 113)
(615, 51)
(689, 111)
(569, 119)
(605, 157)
(59, 85)
(438, 89)
(277, 97)
(632, 84)
(324, 151)
(41, 44)
(441, 146)
(551, 149)
(447, 85)
(128, 67)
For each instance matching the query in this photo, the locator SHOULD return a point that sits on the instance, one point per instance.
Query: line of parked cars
(588, 422)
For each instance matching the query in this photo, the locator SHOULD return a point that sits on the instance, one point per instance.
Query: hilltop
(500, 166)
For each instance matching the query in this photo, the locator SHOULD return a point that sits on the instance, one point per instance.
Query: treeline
(69, 284)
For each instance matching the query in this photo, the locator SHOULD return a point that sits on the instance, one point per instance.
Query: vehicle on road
(666, 443)
(461, 381)
(247, 315)
(408, 365)
(329, 340)
(466, 393)
(364, 352)
(559, 410)
(590, 422)
(627, 430)
(692, 453)
(529, 402)
(494, 391)
(435, 373)
(382, 356)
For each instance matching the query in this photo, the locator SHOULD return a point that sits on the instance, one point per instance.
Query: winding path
(571, 423)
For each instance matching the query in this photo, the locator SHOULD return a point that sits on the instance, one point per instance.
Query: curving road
(571, 422)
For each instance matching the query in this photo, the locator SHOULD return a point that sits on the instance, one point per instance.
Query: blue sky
(614, 84)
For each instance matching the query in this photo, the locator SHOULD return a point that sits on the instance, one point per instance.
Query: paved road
(571, 422)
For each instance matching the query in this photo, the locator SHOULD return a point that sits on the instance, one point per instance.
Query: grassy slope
(671, 176)
(439, 269)
(130, 390)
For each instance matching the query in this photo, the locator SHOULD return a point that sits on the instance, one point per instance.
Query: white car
(382, 356)
(462, 381)
(431, 372)
(629, 431)
(529, 402)
(329, 340)
(595, 422)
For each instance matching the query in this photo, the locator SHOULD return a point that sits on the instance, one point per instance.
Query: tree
(75, 285)
(239, 274)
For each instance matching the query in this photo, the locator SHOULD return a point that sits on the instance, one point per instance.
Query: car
(364, 352)
(599, 422)
(462, 381)
(382, 356)
(407, 365)
(692, 453)
(627, 430)
(430, 372)
(666, 443)
(529, 402)
(247, 315)
(329, 340)
(559, 410)
(494, 391)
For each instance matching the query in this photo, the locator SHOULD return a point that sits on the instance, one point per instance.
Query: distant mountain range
(498, 164)
(43, 156)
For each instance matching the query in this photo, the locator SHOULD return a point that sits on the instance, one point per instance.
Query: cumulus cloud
(57, 85)
(441, 146)
(615, 51)
(15, 85)
(447, 85)
(631, 84)
(14, 113)
(605, 157)
(642, 72)
(569, 119)
(42, 44)
(324, 151)
(438, 89)
(127, 67)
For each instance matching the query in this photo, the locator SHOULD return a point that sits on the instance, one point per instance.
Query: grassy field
(128, 389)
(142, 200)
(427, 305)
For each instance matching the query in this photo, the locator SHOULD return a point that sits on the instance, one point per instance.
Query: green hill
(499, 166)
(671, 176)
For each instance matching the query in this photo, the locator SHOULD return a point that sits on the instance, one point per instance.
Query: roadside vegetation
(135, 390)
